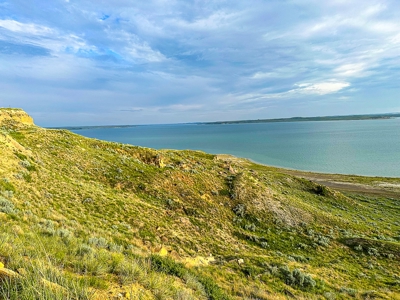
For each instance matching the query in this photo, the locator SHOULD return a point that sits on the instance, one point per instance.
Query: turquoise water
(368, 147)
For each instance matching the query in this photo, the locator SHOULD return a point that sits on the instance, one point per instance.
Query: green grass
(91, 217)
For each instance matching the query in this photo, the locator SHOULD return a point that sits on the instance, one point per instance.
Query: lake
(366, 147)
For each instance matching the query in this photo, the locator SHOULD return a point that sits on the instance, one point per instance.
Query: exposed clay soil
(343, 183)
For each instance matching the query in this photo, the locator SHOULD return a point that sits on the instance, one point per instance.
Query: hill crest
(14, 117)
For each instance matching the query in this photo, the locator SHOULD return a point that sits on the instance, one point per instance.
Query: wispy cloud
(321, 88)
(350, 70)
(214, 21)
(172, 61)
(27, 28)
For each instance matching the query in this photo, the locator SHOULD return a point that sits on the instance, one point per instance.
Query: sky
(82, 62)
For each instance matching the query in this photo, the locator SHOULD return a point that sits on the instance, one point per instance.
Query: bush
(322, 240)
(7, 185)
(168, 266)
(48, 228)
(329, 296)
(273, 270)
(113, 247)
(321, 190)
(6, 206)
(98, 263)
(171, 204)
(298, 258)
(297, 278)
(302, 246)
(84, 249)
(27, 165)
(373, 251)
(240, 210)
(63, 233)
(250, 227)
(98, 242)
(8, 194)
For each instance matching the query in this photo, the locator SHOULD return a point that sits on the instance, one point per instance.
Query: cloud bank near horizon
(82, 62)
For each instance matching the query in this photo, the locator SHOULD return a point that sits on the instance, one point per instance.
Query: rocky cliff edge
(14, 117)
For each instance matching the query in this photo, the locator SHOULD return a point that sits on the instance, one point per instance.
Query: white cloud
(373, 10)
(366, 20)
(395, 39)
(60, 42)
(318, 89)
(42, 36)
(262, 75)
(144, 52)
(214, 21)
(384, 27)
(133, 48)
(28, 28)
(350, 70)
(321, 88)
(279, 73)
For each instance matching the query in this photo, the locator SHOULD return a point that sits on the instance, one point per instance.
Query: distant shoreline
(305, 119)
(277, 120)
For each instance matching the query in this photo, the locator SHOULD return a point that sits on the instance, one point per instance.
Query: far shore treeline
(294, 119)
(324, 118)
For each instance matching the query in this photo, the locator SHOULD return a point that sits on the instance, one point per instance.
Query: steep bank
(14, 117)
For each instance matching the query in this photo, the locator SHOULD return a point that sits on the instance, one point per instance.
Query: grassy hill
(89, 219)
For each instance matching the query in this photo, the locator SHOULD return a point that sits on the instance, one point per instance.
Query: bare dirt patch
(345, 183)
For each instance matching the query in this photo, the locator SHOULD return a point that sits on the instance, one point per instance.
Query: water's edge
(369, 148)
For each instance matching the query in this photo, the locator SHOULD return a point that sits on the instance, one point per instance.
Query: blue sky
(81, 62)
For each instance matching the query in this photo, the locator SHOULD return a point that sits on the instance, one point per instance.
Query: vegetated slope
(88, 219)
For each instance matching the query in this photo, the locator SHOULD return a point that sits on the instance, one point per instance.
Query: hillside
(88, 219)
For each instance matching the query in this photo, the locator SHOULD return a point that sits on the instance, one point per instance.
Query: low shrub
(47, 228)
(7, 185)
(27, 165)
(349, 291)
(98, 242)
(63, 233)
(297, 278)
(6, 206)
(240, 210)
(84, 249)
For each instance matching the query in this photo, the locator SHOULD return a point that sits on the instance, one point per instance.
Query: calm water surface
(370, 147)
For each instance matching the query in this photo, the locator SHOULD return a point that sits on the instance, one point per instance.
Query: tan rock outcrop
(15, 117)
